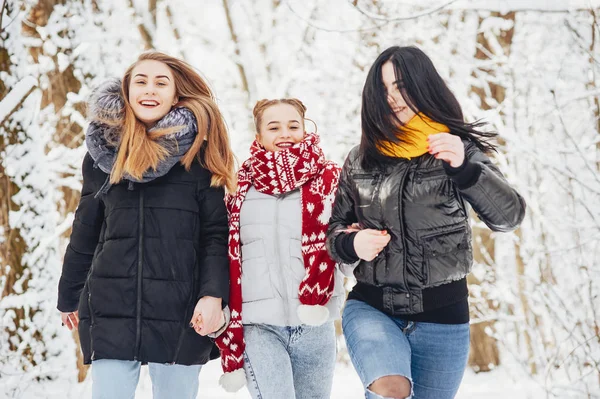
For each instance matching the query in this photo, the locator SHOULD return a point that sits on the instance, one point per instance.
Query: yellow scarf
(416, 131)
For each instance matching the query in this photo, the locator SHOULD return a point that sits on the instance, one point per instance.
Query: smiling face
(281, 127)
(394, 88)
(151, 91)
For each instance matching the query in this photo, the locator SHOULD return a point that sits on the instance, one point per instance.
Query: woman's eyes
(396, 88)
(142, 82)
(274, 129)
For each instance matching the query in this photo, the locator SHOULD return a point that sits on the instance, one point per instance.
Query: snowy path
(494, 385)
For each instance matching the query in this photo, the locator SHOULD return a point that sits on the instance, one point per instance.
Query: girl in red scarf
(284, 290)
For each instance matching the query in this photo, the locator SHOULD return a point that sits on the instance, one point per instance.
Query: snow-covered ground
(494, 385)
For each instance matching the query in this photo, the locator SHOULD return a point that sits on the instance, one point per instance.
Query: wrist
(226, 317)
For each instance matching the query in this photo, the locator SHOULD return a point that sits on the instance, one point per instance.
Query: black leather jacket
(423, 205)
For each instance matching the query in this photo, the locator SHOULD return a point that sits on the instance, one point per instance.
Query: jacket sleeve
(342, 215)
(85, 234)
(482, 184)
(213, 258)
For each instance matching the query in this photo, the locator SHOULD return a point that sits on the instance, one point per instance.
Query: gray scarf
(106, 110)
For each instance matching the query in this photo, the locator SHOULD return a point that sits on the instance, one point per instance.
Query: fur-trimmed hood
(106, 112)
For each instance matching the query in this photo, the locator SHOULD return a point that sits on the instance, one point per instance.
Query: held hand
(447, 147)
(368, 243)
(352, 228)
(70, 319)
(208, 315)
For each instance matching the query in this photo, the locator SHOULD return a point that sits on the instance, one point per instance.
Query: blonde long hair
(139, 150)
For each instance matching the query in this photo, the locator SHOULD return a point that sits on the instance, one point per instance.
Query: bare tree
(59, 82)
(484, 354)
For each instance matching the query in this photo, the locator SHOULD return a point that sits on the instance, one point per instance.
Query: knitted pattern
(301, 166)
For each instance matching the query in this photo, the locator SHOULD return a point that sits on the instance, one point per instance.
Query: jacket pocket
(256, 278)
(435, 174)
(431, 187)
(447, 255)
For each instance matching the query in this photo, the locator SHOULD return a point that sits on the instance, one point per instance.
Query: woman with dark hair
(407, 189)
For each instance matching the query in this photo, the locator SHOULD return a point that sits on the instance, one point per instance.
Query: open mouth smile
(286, 144)
(148, 103)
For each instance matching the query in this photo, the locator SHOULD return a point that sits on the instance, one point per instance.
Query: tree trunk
(484, 353)
(68, 133)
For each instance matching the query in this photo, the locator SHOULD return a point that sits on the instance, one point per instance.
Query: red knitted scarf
(301, 166)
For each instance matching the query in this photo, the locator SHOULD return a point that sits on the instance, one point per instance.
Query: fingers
(445, 145)
(352, 228)
(74, 318)
(69, 322)
(434, 138)
(447, 156)
(374, 232)
(197, 323)
(379, 240)
(207, 323)
(369, 243)
(211, 324)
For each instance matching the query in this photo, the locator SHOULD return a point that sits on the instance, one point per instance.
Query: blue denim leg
(312, 351)
(432, 356)
(174, 381)
(439, 356)
(114, 379)
(266, 356)
(376, 344)
(302, 358)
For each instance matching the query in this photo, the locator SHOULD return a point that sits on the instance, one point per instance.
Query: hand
(447, 147)
(208, 315)
(352, 228)
(369, 243)
(70, 319)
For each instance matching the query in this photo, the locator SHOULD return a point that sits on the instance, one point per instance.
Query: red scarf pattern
(302, 166)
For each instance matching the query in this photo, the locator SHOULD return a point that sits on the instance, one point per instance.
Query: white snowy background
(530, 68)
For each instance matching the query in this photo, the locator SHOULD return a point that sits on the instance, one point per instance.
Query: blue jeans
(431, 356)
(118, 379)
(289, 362)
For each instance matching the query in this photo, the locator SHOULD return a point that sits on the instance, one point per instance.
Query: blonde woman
(145, 276)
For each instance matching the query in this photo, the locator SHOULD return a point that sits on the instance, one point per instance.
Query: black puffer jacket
(139, 259)
(424, 209)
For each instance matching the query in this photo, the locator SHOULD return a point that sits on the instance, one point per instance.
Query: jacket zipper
(91, 320)
(402, 235)
(278, 260)
(138, 331)
(88, 282)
